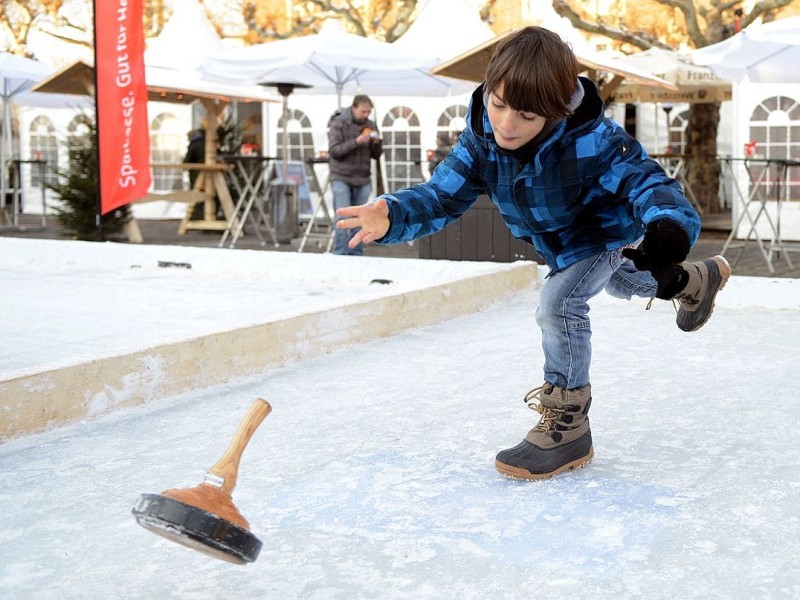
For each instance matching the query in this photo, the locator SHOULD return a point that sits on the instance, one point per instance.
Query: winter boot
(696, 300)
(560, 441)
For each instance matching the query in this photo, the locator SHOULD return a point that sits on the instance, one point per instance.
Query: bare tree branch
(19, 18)
(380, 19)
(706, 22)
(765, 9)
(693, 29)
(486, 10)
(402, 21)
(640, 40)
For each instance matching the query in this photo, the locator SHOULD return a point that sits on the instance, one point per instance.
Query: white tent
(332, 62)
(763, 61)
(171, 66)
(767, 52)
(17, 76)
(185, 38)
(444, 29)
(172, 58)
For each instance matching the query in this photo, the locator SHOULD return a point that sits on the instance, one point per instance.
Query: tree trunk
(701, 147)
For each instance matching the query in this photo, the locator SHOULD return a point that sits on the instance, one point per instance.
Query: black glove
(665, 243)
(670, 280)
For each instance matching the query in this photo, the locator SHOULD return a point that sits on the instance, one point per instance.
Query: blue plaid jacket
(590, 187)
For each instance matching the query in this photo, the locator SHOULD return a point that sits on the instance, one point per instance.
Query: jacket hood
(340, 114)
(590, 111)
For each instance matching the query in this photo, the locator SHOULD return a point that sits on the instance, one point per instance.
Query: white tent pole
(657, 144)
(285, 156)
(265, 150)
(381, 160)
(5, 143)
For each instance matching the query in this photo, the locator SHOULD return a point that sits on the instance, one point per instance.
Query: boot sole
(724, 274)
(519, 473)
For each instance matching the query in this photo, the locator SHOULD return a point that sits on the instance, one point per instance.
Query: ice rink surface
(373, 477)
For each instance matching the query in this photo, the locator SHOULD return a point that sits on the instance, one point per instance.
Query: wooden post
(211, 180)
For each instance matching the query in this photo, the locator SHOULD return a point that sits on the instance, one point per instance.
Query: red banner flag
(123, 136)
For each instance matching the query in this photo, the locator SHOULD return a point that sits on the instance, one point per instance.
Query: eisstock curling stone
(204, 517)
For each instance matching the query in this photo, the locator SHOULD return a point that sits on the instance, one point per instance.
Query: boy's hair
(362, 99)
(538, 70)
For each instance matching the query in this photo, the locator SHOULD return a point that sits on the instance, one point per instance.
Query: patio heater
(283, 193)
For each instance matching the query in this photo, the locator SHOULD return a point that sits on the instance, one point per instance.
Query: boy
(582, 191)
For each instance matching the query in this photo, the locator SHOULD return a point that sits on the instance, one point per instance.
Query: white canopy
(332, 61)
(762, 53)
(694, 84)
(471, 65)
(163, 85)
(171, 60)
(17, 76)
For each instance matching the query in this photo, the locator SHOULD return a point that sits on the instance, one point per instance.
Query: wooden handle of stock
(227, 467)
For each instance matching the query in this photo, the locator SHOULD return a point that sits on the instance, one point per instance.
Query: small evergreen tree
(77, 188)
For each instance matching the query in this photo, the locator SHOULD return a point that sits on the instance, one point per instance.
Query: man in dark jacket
(195, 152)
(444, 144)
(353, 140)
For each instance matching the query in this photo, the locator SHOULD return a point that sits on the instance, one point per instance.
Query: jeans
(344, 195)
(563, 312)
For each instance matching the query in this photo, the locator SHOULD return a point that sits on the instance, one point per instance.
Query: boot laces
(676, 302)
(687, 299)
(550, 416)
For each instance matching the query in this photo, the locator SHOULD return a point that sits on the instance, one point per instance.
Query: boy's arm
(420, 210)
(671, 223)
(653, 194)
(428, 207)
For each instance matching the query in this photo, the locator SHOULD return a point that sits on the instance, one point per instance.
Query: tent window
(449, 126)
(78, 132)
(775, 127)
(402, 148)
(677, 133)
(249, 114)
(453, 119)
(43, 146)
(300, 136)
(167, 145)
(789, 106)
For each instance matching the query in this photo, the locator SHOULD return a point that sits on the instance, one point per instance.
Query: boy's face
(512, 129)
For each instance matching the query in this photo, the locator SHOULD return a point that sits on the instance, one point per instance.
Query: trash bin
(283, 210)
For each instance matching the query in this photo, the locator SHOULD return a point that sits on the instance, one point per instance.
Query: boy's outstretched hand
(373, 219)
